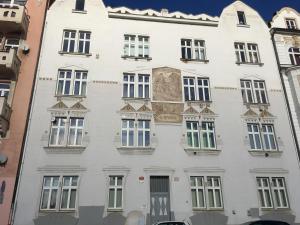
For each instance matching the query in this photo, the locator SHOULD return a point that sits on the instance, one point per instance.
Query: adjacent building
(152, 116)
(286, 38)
(21, 25)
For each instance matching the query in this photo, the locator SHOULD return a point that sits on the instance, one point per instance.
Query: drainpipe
(28, 119)
(286, 97)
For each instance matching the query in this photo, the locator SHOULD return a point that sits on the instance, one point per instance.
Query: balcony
(9, 64)
(13, 19)
(5, 112)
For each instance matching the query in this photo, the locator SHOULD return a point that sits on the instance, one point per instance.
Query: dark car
(266, 222)
(170, 223)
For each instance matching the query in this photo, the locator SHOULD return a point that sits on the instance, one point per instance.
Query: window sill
(136, 58)
(114, 210)
(263, 153)
(194, 60)
(198, 101)
(197, 151)
(79, 11)
(136, 99)
(256, 104)
(249, 63)
(136, 150)
(205, 210)
(70, 96)
(44, 211)
(275, 209)
(243, 25)
(64, 149)
(75, 53)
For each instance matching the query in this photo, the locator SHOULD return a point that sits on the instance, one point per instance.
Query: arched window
(295, 55)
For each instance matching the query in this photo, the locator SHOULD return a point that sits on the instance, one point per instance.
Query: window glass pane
(45, 198)
(194, 198)
(111, 198)
(119, 198)
(72, 199)
(211, 199)
(64, 199)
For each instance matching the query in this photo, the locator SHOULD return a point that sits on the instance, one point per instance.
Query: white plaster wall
(104, 100)
(285, 13)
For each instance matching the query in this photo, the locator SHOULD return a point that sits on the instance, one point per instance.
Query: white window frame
(261, 133)
(197, 88)
(196, 47)
(127, 129)
(77, 129)
(4, 91)
(294, 55)
(132, 46)
(72, 82)
(194, 133)
(256, 91)
(60, 128)
(69, 189)
(136, 84)
(196, 188)
(243, 21)
(291, 23)
(8, 46)
(249, 50)
(201, 133)
(59, 188)
(67, 127)
(69, 39)
(115, 188)
(144, 130)
(271, 189)
(85, 40)
(206, 189)
(269, 133)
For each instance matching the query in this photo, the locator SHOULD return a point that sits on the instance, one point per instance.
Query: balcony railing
(5, 112)
(9, 64)
(13, 18)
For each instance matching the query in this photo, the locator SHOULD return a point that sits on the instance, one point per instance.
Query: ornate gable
(60, 105)
(207, 111)
(128, 108)
(266, 114)
(78, 106)
(191, 110)
(250, 113)
(144, 108)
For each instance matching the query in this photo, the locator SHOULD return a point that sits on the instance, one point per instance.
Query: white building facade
(157, 116)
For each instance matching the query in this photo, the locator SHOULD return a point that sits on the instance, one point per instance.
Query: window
(206, 192)
(254, 91)
(193, 49)
(115, 196)
(262, 136)
(4, 89)
(241, 17)
(295, 56)
(247, 53)
(69, 41)
(59, 128)
(79, 6)
(76, 42)
(272, 192)
(75, 131)
(133, 135)
(136, 46)
(196, 89)
(54, 194)
(136, 87)
(202, 136)
(13, 43)
(84, 42)
(291, 24)
(71, 83)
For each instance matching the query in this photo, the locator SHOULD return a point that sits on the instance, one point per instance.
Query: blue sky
(212, 7)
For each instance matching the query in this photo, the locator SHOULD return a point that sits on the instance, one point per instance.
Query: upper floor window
(262, 136)
(206, 192)
(4, 89)
(295, 56)
(79, 5)
(59, 193)
(196, 89)
(13, 43)
(136, 46)
(201, 135)
(247, 53)
(74, 41)
(63, 133)
(135, 133)
(291, 24)
(241, 17)
(254, 91)
(272, 192)
(193, 49)
(71, 83)
(115, 195)
(136, 86)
